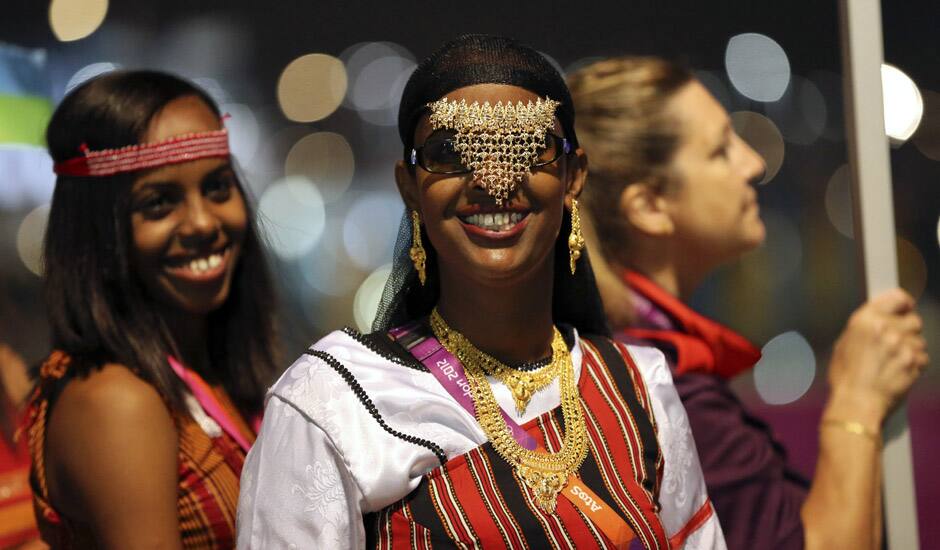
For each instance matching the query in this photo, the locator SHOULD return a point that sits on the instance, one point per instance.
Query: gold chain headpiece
(500, 143)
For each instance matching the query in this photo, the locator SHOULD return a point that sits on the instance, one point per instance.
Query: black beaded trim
(369, 341)
(370, 406)
(531, 365)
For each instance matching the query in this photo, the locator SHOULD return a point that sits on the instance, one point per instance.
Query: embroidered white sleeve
(296, 491)
(682, 489)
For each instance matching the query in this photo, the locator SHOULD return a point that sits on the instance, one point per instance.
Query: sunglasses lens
(439, 155)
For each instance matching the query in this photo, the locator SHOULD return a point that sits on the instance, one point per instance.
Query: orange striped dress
(207, 491)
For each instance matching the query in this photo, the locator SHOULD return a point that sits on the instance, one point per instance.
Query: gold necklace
(522, 384)
(545, 473)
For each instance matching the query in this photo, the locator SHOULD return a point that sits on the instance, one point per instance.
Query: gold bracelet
(856, 428)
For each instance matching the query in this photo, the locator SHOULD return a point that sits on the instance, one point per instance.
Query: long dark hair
(97, 305)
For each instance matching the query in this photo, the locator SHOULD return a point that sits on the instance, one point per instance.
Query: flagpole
(862, 56)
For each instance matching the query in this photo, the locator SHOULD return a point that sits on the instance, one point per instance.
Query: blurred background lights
(88, 72)
(291, 217)
(371, 227)
(378, 72)
(359, 56)
(829, 84)
(761, 134)
(243, 131)
(371, 88)
(29, 238)
(801, 113)
(324, 158)
(839, 201)
(204, 46)
(329, 271)
(27, 179)
(786, 369)
(903, 103)
(378, 89)
(366, 302)
(311, 87)
(215, 90)
(75, 19)
(757, 66)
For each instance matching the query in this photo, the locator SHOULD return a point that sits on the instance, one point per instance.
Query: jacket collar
(701, 344)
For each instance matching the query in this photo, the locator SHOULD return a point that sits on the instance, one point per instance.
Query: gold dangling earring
(418, 256)
(575, 239)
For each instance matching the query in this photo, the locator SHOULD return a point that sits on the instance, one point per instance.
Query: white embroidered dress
(323, 458)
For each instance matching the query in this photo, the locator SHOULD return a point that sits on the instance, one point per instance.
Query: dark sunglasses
(439, 154)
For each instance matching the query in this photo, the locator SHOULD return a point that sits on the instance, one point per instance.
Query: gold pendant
(545, 485)
(522, 390)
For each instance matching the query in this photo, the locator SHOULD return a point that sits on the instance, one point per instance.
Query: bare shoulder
(110, 425)
(112, 395)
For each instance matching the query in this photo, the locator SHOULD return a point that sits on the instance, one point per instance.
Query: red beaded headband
(174, 150)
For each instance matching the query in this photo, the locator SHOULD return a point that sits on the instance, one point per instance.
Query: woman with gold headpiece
(489, 408)
(671, 198)
(159, 300)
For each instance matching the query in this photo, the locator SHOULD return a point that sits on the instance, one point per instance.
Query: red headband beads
(174, 150)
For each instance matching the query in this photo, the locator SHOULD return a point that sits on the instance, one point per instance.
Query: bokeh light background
(313, 88)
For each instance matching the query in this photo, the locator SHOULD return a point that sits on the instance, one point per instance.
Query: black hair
(464, 61)
(98, 308)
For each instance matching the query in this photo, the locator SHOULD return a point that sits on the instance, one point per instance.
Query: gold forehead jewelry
(498, 143)
(545, 473)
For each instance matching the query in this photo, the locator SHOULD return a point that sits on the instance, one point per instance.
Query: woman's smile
(205, 268)
(493, 222)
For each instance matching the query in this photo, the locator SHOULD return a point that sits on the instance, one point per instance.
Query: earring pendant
(575, 239)
(417, 253)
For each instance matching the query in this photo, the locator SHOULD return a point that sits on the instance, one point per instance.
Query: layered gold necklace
(522, 384)
(545, 473)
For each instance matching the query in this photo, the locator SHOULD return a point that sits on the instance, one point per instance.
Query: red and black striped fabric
(476, 499)
(208, 467)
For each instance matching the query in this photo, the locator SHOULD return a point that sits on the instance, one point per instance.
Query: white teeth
(201, 265)
(499, 221)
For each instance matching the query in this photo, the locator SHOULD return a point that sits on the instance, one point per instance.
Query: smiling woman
(188, 220)
(489, 409)
(158, 296)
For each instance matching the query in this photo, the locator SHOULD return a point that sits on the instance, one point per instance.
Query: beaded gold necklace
(522, 384)
(544, 473)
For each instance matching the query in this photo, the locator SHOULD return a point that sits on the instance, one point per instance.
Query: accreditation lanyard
(449, 372)
(209, 403)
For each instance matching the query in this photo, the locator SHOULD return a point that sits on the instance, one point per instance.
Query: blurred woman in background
(160, 305)
(17, 524)
(671, 200)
